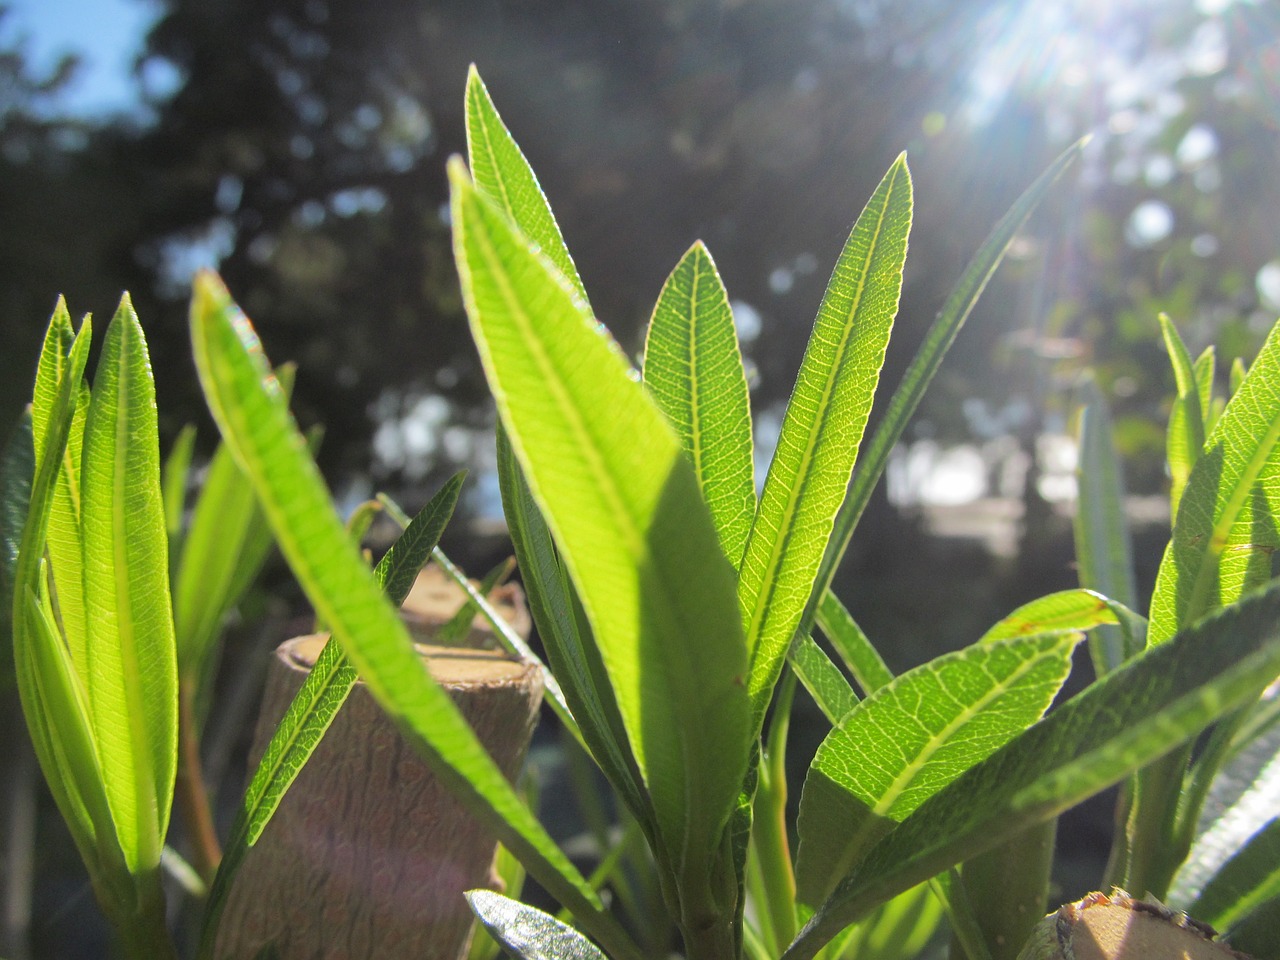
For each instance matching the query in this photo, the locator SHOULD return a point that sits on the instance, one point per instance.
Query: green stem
(769, 825)
(1153, 826)
(140, 925)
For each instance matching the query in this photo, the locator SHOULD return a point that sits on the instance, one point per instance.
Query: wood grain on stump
(368, 854)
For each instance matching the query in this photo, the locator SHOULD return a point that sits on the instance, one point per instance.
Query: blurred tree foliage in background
(302, 146)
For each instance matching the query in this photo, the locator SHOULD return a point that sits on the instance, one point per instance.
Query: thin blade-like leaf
(526, 932)
(1226, 528)
(951, 318)
(823, 679)
(623, 503)
(910, 739)
(17, 470)
(822, 430)
(1186, 419)
(318, 700)
(693, 369)
(1068, 610)
(1149, 706)
(853, 646)
(253, 419)
(502, 173)
(1104, 554)
(174, 478)
(132, 677)
(1245, 882)
(575, 658)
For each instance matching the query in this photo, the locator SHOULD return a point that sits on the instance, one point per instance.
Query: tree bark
(368, 855)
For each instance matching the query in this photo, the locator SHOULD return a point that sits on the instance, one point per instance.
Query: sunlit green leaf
(174, 477)
(910, 739)
(132, 669)
(17, 470)
(1205, 367)
(1137, 713)
(623, 504)
(857, 652)
(823, 679)
(1069, 610)
(1248, 880)
(693, 369)
(822, 430)
(1226, 530)
(501, 172)
(1186, 418)
(255, 422)
(924, 365)
(566, 636)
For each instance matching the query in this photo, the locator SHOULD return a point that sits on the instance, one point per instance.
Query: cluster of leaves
(675, 607)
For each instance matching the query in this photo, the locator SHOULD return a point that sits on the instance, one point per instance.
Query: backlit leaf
(623, 504)
(526, 932)
(910, 739)
(131, 676)
(1226, 529)
(822, 430)
(693, 369)
(1139, 712)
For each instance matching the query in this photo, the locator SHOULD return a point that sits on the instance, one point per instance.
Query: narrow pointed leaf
(822, 430)
(132, 668)
(1205, 367)
(853, 646)
(502, 173)
(66, 539)
(574, 657)
(910, 739)
(623, 503)
(318, 700)
(1186, 419)
(526, 932)
(1068, 610)
(693, 369)
(174, 478)
(823, 679)
(1104, 554)
(55, 353)
(1139, 712)
(253, 419)
(937, 341)
(17, 470)
(1226, 529)
(1245, 882)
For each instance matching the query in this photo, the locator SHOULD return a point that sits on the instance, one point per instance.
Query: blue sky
(106, 33)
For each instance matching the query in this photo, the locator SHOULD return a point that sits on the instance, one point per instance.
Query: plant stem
(1153, 825)
(140, 925)
(769, 827)
(191, 794)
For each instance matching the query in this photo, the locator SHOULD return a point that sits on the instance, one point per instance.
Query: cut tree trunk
(368, 854)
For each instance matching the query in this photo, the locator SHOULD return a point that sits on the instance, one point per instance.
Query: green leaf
(897, 930)
(17, 470)
(1069, 610)
(623, 504)
(217, 547)
(526, 932)
(937, 341)
(1245, 882)
(566, 636)
(1186, 419)
(55, 360)
(250, 411)
(1137, 713)
(910, 739)
(501, 172)
(693, 369)
(1240, 807)
(823, 679)
(822, 430)
(174, 477)
(318, 700)
(1258, 934)
(1104, 554)
(131, 677)
(853, 646)
(1225, 530)
(1204, 368)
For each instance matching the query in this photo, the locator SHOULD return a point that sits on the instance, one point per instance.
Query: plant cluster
(676, 608)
